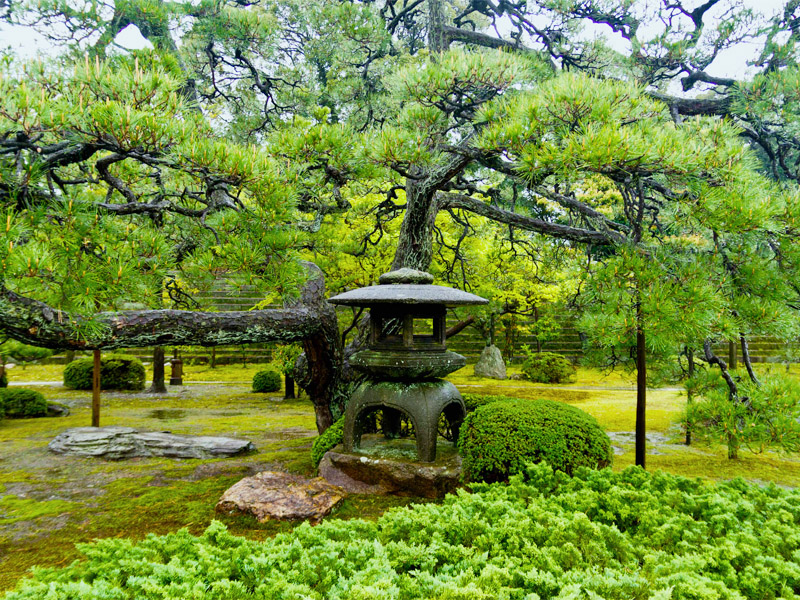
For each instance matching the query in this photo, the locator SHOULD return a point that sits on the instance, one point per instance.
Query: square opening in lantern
(424, 332)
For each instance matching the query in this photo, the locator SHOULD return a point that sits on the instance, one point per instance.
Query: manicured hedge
(117, 372)
(499, 438)
(548, 367)
(327, 441)
(599, 534)
(268, 380)
(21, 403)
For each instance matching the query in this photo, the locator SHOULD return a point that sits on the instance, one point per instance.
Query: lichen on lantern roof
(394, 290)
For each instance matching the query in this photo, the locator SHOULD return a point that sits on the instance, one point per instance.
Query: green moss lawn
(50, 502)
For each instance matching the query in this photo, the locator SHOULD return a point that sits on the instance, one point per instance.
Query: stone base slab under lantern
(373, 474)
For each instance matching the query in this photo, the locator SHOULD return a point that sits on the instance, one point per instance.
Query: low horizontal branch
(38, 324)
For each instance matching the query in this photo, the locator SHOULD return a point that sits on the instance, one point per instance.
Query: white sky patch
(131, 38)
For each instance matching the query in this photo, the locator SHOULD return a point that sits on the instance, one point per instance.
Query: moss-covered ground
(48, 502)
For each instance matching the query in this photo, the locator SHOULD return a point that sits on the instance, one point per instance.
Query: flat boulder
(272, 495)
(126, 442)
(491, 364)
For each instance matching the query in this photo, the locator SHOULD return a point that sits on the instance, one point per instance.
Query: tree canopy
(232, 148)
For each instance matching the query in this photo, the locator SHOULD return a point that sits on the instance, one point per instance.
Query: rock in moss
(271, 495)
(126, 442)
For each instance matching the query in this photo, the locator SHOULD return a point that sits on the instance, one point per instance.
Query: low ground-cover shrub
(268, 380)
(599, 534)
(500, 437)
(330, 438)
(117, 372)
(548, 367)
(20, 403)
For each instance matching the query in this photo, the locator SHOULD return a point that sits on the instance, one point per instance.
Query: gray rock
(271, 495)
(55, 409)
(126, 442)
(490, 364)
(360, 474)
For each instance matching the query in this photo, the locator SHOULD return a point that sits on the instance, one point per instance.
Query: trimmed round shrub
(500, 438)
(331, 438)
(268, 380)
(117, 372)
(19, 403)
(548, 367)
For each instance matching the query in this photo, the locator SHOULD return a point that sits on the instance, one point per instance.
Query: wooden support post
(96, 390)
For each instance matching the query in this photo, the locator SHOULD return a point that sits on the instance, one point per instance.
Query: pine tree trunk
(288, 382)
(641, 389)
(158, 386)
(415, 243)
(689, 394)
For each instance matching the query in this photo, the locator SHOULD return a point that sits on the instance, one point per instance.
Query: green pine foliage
(20, 403)
(268, 380)
(500, 438)
(599, 534)
(285, 356)
(329, 439)
(117, 372)
(548, 367)
(763, 416)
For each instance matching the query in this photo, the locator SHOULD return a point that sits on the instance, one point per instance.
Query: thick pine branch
(565, 232)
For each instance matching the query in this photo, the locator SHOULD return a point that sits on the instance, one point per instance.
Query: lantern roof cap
(407, 286)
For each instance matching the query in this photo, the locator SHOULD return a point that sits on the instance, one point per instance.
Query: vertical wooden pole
(96, 390)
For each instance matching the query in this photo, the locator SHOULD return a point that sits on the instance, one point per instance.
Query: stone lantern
(406, 359)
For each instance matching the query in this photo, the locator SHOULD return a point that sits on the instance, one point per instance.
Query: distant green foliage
(499, 438)
(762, 417)
(268, 380)
(327, 441)
(19, 403)
(548, 367)
(117, 372)
(20, 352)
(285, 356)
(599, 534)
(3, 380)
